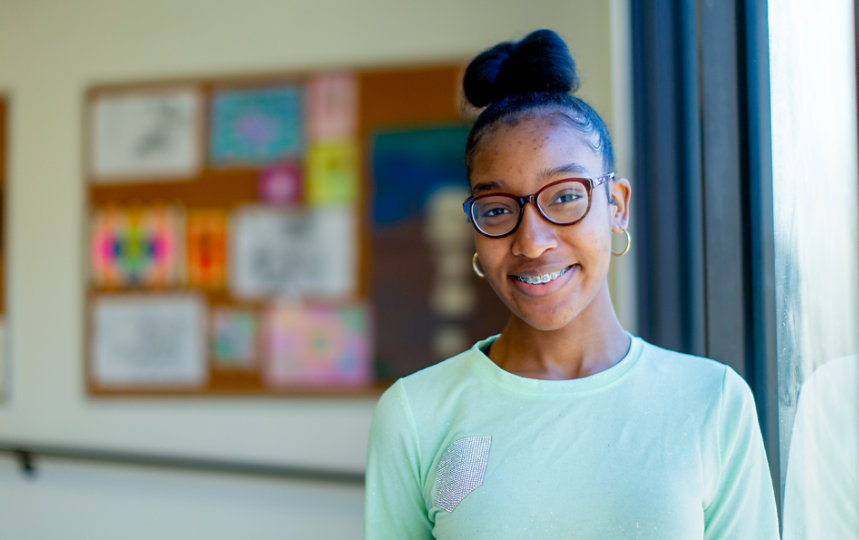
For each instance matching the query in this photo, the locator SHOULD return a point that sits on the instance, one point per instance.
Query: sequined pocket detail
(460, 470)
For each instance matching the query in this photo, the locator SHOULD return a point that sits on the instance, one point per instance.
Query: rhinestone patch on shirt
(461, 470)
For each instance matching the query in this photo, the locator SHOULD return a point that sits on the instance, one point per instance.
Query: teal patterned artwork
(256, 126)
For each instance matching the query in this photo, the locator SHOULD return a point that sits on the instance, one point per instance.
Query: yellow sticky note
(332, 173)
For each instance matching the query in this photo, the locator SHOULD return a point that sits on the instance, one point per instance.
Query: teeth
(545, 278)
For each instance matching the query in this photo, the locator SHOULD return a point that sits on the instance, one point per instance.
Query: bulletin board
(286, 234)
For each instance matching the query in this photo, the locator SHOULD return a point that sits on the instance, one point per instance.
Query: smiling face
(548, 275)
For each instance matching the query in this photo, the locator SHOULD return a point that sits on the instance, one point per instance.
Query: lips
(540, 278)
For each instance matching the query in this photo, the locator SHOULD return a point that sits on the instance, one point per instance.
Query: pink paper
(332, 102)
(317, 345)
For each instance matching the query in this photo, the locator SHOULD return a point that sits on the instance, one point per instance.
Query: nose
(535, 234)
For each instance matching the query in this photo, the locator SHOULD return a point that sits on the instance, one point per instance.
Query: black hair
(537, 73)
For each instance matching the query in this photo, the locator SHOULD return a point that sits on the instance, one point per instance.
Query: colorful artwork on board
(332, 105)
(137, 247)
(292, 252)
(428, 303)
(234, 338)
(207, 248)
(149, 340)
(146, 135)
(282, 184)
(332, 173)
(309, 344)
(409, 165)
(257, 126)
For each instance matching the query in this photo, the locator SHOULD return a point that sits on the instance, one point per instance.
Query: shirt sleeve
(742, 504)
(394, 505)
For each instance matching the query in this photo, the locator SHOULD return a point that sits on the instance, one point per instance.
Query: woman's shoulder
(690, 372)
(677, 360)
(440, 380)
(444, 375)
(412, 396)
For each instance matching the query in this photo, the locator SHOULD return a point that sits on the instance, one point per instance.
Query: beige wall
(50, 51)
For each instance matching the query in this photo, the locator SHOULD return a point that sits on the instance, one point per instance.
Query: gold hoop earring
(476, 268)
(628, 245)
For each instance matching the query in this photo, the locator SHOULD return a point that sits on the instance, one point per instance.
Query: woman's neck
(590, 343)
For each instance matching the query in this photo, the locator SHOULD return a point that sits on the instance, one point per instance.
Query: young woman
(564, 425)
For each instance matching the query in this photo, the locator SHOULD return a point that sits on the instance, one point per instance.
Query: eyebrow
(486, 186)
(545, 174)
(563, 169)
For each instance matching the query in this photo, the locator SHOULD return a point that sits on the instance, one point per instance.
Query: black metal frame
(704, 176)
(667, 180)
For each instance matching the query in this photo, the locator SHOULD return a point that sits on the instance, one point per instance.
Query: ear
(620, 192)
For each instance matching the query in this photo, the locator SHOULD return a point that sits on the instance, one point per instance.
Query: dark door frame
(705, 253)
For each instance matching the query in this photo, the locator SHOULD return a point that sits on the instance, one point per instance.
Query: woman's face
(520, 159)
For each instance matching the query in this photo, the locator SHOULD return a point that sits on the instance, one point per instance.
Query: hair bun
(539, 62)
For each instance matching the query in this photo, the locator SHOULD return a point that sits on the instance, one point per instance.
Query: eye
(494, 208)
(494, 211)
(568, 196)
(565, 196)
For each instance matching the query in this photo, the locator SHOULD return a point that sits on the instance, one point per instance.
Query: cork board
(285, 234)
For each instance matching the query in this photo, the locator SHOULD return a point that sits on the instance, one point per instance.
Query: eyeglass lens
(562, 203)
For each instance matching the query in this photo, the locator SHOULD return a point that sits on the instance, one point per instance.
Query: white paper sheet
(146, 135)
(293, 252)
(149, 341)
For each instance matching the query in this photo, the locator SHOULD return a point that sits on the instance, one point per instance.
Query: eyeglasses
(563, 202)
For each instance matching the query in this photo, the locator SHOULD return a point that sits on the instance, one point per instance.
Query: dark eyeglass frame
(589, 183)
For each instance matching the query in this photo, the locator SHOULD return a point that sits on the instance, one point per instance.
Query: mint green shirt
(660, 446)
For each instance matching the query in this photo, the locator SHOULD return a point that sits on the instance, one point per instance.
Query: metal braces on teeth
(545, 278)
